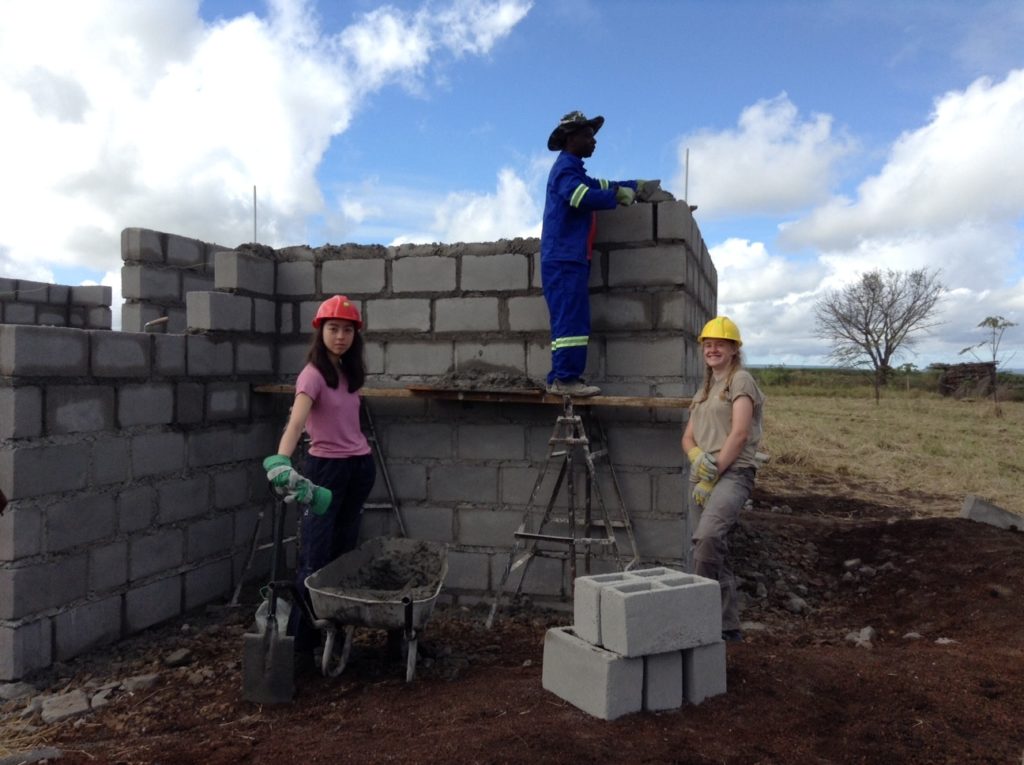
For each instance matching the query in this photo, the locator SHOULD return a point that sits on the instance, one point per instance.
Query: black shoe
(732, 636)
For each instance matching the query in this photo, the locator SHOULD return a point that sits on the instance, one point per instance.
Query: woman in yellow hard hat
(721, 440)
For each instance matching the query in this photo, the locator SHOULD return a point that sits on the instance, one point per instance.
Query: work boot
(573, 388)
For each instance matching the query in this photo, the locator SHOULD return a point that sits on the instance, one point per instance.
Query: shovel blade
(268, 667)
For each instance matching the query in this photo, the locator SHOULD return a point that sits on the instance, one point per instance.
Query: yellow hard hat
(722, 328)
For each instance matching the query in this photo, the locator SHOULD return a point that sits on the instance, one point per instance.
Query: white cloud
(142, 114)
(747, 272)
(773, 162)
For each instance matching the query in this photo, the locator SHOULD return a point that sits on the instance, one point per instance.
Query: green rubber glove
(639, 186)
(702, 491)
(624, 195)
(279, 472)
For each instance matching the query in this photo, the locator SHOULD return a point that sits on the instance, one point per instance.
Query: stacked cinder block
(647, 639)
(54, 305)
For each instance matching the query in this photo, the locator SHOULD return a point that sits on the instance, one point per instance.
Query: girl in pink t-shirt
(339, 457)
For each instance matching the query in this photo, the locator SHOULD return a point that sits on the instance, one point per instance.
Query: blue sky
(825, 138)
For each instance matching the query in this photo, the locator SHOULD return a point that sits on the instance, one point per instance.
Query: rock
(140, 682)
(999, 591)
(101, 698)
(178, 658)
(862, 639)
(851, 564)
(944, 641)
(12, 691)
(44, 754)
(57, 708)
(913, 636)
(796, 604)
(867, 571)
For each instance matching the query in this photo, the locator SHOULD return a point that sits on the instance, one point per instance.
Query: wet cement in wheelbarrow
(397, 571)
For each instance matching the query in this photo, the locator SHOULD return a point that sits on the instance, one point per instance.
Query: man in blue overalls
(566, 240)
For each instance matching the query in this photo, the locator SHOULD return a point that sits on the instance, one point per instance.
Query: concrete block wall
(54, 305)
(642, 639)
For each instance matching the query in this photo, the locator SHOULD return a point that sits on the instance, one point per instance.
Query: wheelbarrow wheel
(326, 660)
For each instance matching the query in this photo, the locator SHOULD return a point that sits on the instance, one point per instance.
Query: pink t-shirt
(333, 422)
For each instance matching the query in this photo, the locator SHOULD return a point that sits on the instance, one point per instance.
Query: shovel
(268, 655)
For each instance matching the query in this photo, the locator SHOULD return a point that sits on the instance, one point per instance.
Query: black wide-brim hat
(568, 125)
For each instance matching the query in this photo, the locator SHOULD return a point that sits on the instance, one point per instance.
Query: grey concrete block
(189, 400)
(79, 521)
(108, 566)
(419, 358)
(491, 442)
(663, 681)
(227, 400)
(410, 482)
(183, 498)
(32, 292)
(468, 571)
(457, 483)
(43, 351)
(21, 531)
(206, 356)
(150, 554)
(599, 682)
(586, 603)
(621, 311)
(36, 587)
(145, 404)
(546, 577)
(136, 509)
(664, 265)
(135, 315)
(675, 311)
(157, 453)
(291, 357)
(140, 245)
(255, 441)
(307, 313)
(92, 295)
(466, 314)
(670, 492)
(110, 459)
(675, 221)
(397, 315)
(243, 271)
(233, 487)
(423, 274)
(152, 603)
(19, 313)
(151, 283)
(977, 509)
(296, 278)
(33, 471)
(120, 354)
(625, 224)
(194, 281)
(538, 360)
(211, 447)
(218, 311)
(704, 672)
(207, 583)
(80, 628)
(635, 488)
(24, 647)
(486, 528)
(99, 317)
(646, 446)
(286, 319)
(169, 355)
(517, 483)
(254, 357)
(419, 441)
(662, 539)
(51, 316)
(495, 273)
(497, 356)
(208, 537)
(59, 295)
(181, 251)
(528, 314)
(21, 412)
(264, 316)
(352, 276)
(433, 523)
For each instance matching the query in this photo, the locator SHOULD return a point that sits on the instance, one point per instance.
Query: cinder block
(24, 648)
(227, 400)
(662, 539)
(664, 265)
(495, 273)
(79, 521)
(152, 603)
(419, 358)
(183, 498)
(141, 245)
(43, 351)
(704, 672)
(485, 527)
(433, 523)
(264, 316)
(211, 447)
(980, 511)
(218, 311)
(21, 412)
(19, 313)
(86, 626)
(660, 612)
(232, 487)
(169, 355)
(287, 323)
(621, 311)
(157, 453)
(145, 404)
(208, 537)
(397, 315)
(497, 356)
(491, 442)
(135, 315)
(296, 278)
(517, 483)
(291, 357)
(78, 409)
(206, 356)
(207, 583)
(254, 441)
(153, 553)
(136, 508)
(545, 577)
(663, 681)
(625, 224)
(59, 295)
(675, 221)
(243, 271)
(108, 566)
(93, 295)
(423, 274)
(32, 292)
(152, 283)
(33, 471)
(419, 441)
(599, 682)
(52, 316)
(194, 281)
(586, 603)
(120, 354)
(352, 276)
(37, 587)
(189, 398)
(466, 314)
(410, 482)
(99, 317)
(468, 571)
(528, 314)
(652, 446)
(538, 359)
(459, 482)
(21, 531)
(254, 357)
(110, 460)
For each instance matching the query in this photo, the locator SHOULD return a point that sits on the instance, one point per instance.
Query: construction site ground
(938, 677)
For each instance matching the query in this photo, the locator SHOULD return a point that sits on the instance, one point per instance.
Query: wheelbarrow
(385, 583)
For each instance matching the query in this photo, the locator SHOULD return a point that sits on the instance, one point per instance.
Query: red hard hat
(337, 307)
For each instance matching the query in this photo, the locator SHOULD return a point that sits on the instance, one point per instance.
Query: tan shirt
(712, 418)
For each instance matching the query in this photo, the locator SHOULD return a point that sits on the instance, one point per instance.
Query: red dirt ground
(798, 691)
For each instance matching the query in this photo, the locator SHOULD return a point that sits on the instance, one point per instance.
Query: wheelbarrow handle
(307, 611)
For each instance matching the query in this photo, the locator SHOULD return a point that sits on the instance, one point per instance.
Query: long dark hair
(353, 363)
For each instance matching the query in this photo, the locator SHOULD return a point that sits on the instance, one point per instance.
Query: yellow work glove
(624, 195)
(702, 465)
(701, 492)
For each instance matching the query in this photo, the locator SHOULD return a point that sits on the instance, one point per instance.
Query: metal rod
(254, 239)
(686, 182)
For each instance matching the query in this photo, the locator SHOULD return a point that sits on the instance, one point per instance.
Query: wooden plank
(502, 396)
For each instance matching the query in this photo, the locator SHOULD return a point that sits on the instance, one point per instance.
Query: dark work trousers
(324, 537)
(567, 293)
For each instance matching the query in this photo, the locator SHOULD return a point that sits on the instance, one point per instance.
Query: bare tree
(874, 319)
(996, 326)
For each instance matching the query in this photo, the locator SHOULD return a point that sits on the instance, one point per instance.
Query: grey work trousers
(710, 540)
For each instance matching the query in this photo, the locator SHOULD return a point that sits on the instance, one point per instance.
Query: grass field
(914, 449)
